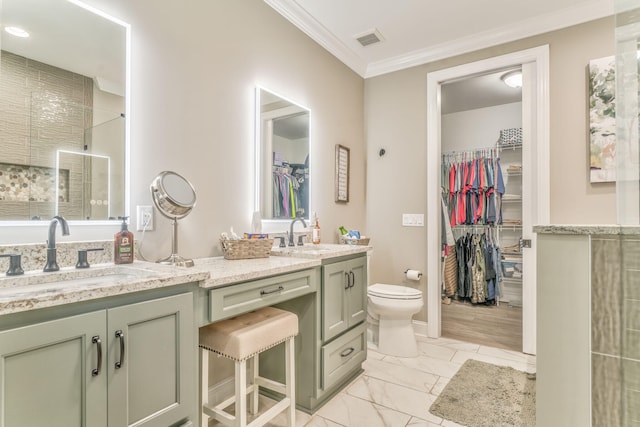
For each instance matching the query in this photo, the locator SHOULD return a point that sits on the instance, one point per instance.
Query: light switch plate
(413, 220)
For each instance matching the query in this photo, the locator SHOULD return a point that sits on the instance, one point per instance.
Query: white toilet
(391, 308)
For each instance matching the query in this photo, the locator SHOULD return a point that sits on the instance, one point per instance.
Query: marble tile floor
(397, 392)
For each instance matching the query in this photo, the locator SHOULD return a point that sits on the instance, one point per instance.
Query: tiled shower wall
(31, 131)
(615, 331)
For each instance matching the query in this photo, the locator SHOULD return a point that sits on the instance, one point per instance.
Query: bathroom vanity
(118, 345)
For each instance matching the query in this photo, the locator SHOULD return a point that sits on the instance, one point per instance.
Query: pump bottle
(316, 231)
(123, 244)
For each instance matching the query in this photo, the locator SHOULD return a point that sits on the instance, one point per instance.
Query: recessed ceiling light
(512, 78)
(16, 31)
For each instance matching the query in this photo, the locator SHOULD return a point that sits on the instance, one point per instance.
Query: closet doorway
(533, 183)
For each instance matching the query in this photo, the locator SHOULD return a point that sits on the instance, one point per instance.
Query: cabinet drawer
(233, 300)
(342, 356)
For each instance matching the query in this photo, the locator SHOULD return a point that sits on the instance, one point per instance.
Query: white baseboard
(419, 327)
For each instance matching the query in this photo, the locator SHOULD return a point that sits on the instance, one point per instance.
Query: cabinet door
(357, 294)
(155, 383)
(334, 302)
(46, 373)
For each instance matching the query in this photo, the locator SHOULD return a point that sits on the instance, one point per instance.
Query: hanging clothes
(472, 186)
(450, 263)
(478, 275)
(286, 196)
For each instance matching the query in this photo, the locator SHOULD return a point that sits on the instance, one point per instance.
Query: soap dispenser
(123, 244)
(316, 230)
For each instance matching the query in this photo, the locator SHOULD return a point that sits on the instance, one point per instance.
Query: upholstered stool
(242, 338)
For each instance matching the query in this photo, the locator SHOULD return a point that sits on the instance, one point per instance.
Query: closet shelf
(509, 147)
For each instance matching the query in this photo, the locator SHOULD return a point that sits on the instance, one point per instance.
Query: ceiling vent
(369, 37)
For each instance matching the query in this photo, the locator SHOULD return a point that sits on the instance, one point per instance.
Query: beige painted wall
(395, 119)
(194, 68)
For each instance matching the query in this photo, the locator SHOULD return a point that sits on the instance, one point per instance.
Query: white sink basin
(90, 277)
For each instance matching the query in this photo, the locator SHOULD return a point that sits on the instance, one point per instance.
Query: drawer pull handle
(353, 279)
(120, 336)
(280, 288)
(96, 340)
(348, 280)
(347, 352)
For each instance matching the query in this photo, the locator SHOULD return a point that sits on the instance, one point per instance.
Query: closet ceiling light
(16, 31)
(512, 78)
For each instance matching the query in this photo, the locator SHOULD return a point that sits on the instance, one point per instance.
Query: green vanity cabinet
(344, 314)
(344, 296)
(155, 381)
(63, 372)
(46, 373)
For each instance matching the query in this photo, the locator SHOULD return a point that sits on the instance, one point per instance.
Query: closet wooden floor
(495, 326)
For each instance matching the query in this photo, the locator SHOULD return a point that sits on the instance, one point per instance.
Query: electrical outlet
(144, 218)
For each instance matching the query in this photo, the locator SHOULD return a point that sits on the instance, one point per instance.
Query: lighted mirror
(63, 110)
(282, 147)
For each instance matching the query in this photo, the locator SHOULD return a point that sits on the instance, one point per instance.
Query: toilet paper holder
(413, 274)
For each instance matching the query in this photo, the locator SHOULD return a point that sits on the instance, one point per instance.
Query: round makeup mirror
(175, 197)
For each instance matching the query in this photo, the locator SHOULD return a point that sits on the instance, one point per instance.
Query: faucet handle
(82, 257)
(300, 240)
(281, 245)
(15, 267)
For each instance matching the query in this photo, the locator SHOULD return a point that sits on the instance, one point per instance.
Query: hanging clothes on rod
(478, 261)
(472, 185)
(285, 193)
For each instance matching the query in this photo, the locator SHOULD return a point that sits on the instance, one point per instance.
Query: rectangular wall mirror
(63, 86)
(282, 151)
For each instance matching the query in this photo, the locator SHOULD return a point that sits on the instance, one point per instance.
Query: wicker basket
(246, 248)
(360, 242)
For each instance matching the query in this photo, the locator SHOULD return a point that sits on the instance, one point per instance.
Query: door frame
(535, 123)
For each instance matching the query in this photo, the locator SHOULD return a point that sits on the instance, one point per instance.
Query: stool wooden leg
(204, 385)
(290, 380)
(255, 362)
(241, 393)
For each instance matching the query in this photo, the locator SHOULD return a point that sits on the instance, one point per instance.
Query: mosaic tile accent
(19, 183)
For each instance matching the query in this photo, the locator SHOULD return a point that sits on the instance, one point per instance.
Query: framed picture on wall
(602, 120)
(342, 174)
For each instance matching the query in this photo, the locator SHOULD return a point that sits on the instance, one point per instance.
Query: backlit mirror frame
(127, 130)
(264, 162)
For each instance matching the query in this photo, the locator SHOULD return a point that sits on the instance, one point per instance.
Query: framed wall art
(602, 119)
(342, 174)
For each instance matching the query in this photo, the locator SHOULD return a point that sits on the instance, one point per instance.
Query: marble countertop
(594, 229)
(36, 289)
(319, 252)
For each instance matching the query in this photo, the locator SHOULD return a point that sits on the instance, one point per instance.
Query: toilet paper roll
(413, 274)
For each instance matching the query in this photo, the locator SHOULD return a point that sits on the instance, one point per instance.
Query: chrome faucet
(291, 229)
(52, 264)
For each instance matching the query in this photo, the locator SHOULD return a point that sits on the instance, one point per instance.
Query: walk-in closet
(482, 216)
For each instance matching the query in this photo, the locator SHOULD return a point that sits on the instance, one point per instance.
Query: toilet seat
(381, 290)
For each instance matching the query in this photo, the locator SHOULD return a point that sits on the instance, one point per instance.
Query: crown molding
(299, 17)
(512, 32)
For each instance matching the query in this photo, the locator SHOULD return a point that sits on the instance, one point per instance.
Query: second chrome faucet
(52, 264)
